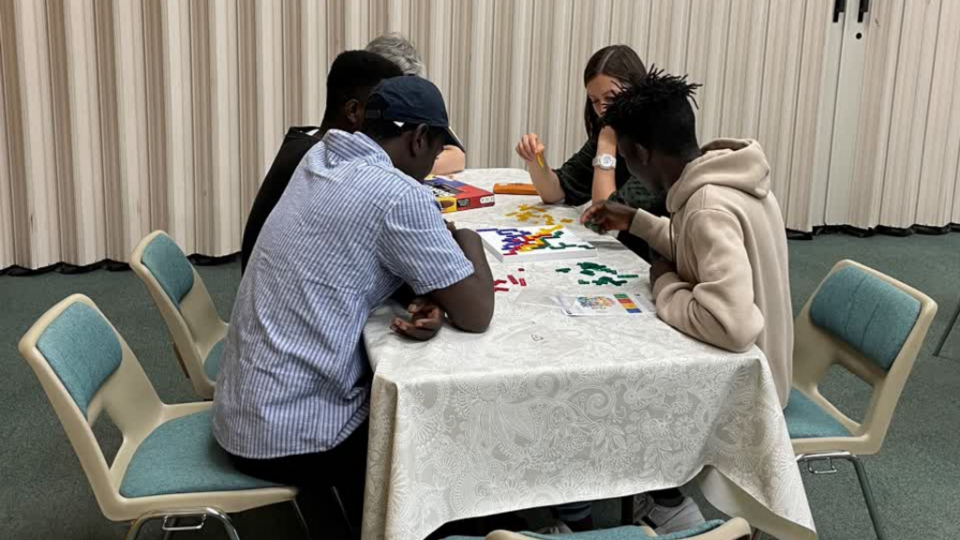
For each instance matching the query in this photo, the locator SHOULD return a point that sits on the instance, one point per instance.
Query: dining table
(548, 407)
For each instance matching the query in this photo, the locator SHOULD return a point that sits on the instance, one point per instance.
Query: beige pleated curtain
(124, 116)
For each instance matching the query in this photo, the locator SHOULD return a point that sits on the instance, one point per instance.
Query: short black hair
(353, 75)
(656, 110)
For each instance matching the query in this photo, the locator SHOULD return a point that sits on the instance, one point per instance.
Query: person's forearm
(604, 184)
(655, 230)
(604, 181)
(547, 183)
(475, 318)
(451, 160)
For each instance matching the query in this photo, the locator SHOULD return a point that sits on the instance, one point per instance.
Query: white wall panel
(124, 116)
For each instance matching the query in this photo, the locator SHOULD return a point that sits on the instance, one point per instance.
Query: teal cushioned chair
(873, 326)
(169, 465)
(186, 307)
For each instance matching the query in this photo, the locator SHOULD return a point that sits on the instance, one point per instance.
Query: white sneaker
(557, 528)
(664, 519)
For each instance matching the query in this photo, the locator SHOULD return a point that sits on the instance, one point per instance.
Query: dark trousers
(343, 467)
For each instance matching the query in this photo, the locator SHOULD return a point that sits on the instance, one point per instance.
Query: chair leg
(227, 522)
(343, 512)
(168, 534)
(303, 522)
(173, 526)
(861, 476)
(868, 497)
(137, 525)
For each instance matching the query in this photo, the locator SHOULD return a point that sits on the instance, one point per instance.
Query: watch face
(607, 161)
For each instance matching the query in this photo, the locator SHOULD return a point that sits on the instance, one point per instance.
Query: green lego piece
(563, 270)
(629, 276)
(583, 282)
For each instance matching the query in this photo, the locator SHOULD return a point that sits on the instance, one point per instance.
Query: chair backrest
(86, 368)
(873, 326)
(187, 309)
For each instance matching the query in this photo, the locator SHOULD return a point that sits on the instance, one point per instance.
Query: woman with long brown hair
(596, 172)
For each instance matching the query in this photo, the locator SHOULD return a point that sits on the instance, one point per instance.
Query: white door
(888, 136)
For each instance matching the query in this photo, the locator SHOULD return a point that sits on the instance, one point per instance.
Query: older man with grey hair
(396, 48)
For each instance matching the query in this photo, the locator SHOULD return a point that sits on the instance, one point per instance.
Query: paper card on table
(518, 244)
(586, 305)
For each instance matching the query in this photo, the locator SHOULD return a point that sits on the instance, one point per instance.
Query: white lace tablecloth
(544, 408)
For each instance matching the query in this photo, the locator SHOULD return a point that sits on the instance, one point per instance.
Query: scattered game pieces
(531, 244)
(591, 270)
(535, 213)
(503, 285)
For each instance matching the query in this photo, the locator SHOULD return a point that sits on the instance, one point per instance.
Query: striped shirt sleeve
(415, 245)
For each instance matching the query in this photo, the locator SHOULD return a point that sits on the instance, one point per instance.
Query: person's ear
(353, 113)
(420, 141)
(643, 155)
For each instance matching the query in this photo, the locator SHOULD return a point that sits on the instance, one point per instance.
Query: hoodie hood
(735, 163)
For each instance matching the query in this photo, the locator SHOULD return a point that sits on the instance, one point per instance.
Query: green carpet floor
(916, 477)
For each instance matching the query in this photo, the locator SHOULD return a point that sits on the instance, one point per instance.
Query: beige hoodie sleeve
(655, 230)
(720, 308)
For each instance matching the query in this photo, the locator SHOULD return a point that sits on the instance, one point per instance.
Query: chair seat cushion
(211, 366)
(181, 456)
(807, 420)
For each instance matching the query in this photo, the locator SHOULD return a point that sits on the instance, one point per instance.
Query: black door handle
(864, 8)
(839, 6)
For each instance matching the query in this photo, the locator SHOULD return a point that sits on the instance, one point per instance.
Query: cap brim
(453, 140)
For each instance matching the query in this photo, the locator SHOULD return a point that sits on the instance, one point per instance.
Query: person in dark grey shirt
(352, 76)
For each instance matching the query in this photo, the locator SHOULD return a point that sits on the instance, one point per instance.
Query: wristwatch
(605, 162)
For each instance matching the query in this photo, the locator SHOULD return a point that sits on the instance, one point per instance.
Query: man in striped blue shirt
(353, 226)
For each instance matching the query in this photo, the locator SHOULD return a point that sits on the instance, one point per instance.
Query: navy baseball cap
(411, 99)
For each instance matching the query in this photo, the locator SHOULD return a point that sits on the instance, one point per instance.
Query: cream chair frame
(130, 400)
(195, 327)
(815, 351)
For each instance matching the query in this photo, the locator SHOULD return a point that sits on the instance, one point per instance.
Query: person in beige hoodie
(726, 281)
